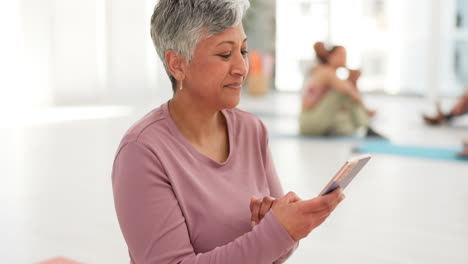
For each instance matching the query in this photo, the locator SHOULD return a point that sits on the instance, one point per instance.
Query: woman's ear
(176, 65)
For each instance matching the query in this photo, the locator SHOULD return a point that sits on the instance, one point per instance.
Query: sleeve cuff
(279, 239)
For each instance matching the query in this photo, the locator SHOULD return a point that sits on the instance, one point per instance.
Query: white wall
(298, 26)
(9, 56)
(75, 52)
(128, 53)
(62, 52)
(25, 55)
(115, 61)
(417, 46)
(413, 43)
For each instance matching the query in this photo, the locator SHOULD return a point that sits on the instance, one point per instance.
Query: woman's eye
(226, 56)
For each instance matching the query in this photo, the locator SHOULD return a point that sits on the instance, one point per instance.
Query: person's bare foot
(436, 120)
(464, 153)
(433, 121)
(371, 113)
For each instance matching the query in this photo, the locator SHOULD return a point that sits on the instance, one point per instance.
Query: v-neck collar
(202, 157)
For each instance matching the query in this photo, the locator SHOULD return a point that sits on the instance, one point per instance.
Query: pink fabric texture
(176, 205)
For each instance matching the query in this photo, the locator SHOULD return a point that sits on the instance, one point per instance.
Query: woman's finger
(252, 202)
(266, 205)
(255, 212)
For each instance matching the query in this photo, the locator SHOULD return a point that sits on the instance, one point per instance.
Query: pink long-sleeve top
(176, 205)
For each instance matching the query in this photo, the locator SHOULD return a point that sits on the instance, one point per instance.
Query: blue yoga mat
(292, 135)
(410, 151)
(280, 135)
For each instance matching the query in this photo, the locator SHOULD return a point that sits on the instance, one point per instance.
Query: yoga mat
(410, 151)
(292, 135)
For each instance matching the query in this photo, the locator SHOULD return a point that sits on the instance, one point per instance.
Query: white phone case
(346, 174)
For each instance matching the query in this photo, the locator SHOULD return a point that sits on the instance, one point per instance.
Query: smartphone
(346, 174)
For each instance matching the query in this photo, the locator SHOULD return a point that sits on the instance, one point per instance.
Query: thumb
(290, 197)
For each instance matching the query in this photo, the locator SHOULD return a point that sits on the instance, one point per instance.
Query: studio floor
(56, 197)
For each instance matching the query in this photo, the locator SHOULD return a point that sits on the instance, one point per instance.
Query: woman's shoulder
(323, 73)
(322, 69)
(243, 116)
(246, 121)
(150, 121)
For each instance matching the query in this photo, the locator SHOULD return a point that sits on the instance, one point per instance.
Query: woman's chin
(231, 101)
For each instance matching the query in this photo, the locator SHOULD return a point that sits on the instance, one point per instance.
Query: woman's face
(218, 69)
(338, 57)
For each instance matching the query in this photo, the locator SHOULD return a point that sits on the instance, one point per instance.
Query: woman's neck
(197, 122)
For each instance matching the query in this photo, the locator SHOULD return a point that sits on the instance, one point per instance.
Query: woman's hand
(300, 217)
(354, 94)
(354, 76)
(328, 76)
(259, 207)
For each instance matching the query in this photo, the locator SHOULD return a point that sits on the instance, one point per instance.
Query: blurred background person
(353, 75)
(330, 105)
(460, 109)
(464, 152)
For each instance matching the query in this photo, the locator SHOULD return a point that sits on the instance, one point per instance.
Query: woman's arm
(276, 190)
(154, 227)
(328, 76)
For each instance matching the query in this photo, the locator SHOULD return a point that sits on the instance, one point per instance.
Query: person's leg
(343, 124)
(439, 118)
(359, 118)
(353, 78)
(318, 121)
(461, 107)
(351, 117)
(358, 114)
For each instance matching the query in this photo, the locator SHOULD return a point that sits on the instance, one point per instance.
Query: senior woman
(186, 175)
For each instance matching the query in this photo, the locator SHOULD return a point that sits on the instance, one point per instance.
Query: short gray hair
(179, 25)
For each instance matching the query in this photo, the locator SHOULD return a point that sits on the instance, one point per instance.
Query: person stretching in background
(460, 108)
(464, 153)
(331, 106)
(353, 76)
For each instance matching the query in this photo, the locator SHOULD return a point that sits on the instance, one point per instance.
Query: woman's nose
(240, 66)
